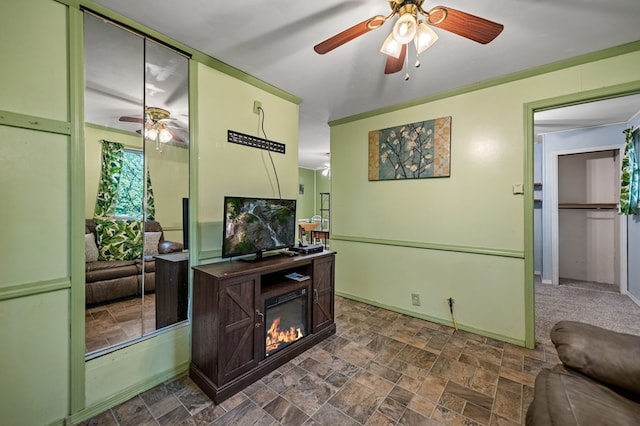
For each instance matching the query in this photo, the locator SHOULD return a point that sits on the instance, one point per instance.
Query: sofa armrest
(169, 247)
(605, 355)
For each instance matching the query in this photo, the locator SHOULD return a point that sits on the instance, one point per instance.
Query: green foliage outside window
(130, 199)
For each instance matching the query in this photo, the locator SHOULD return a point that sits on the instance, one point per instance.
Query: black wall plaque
(254, 141)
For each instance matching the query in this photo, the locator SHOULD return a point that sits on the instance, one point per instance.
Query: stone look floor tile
(381, 369)
(432, 388)
(422, 406)
(379, 419)
(392, 409)
(174, 417)
(477, 414)
(328, 415)
(376, 383)
(309, 393)
(357, 401)
(508, 399)
(285, 412)
(409, 383)
(411, 418)
(485, 382)
(469, 395)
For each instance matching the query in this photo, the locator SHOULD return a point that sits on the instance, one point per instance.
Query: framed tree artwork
(411, 151)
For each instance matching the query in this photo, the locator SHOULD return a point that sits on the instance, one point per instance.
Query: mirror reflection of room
(136, 184)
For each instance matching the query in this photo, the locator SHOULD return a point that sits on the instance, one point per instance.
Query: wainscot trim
(488, 251)
(31, 289)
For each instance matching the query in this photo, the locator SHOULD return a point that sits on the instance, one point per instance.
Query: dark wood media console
(228, 325)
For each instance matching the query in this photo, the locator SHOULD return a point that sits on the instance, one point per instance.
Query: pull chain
(406, 57)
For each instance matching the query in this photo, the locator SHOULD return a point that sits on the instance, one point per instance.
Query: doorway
(570, 217)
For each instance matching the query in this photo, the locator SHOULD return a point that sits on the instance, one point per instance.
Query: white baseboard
(633, 298)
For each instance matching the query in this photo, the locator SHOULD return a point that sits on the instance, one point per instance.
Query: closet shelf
(592, 206)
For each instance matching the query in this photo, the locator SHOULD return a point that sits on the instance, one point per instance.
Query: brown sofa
(108, 280)
(598, 382)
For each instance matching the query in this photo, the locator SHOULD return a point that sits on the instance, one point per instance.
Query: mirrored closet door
(136, 182)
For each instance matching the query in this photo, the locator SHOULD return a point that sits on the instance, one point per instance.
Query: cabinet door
(239, 353)
(323, 276)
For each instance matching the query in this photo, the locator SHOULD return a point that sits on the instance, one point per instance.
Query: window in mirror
(130, 198)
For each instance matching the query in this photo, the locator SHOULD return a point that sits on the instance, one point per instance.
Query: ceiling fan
(157, 125)
(413, 25)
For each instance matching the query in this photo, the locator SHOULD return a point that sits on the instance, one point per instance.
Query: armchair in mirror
(136, 176)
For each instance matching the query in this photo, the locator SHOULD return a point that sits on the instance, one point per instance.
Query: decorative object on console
(411, 151)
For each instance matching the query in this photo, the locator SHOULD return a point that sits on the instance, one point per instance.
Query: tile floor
(112, 323)
(381, 368)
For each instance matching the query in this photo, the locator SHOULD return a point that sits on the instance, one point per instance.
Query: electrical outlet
(256, 107)
(415, 299)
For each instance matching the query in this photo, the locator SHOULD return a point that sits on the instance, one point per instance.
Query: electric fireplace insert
(285, 320)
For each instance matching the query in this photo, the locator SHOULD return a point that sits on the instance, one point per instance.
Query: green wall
(230, 169)
(314, 183)
(462, 236)
(305, 205)
(35, 193)
(45, 378)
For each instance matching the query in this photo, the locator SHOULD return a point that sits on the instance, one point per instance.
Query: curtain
(112, 161)
(630, 182)
(112, 153)
(149, 202)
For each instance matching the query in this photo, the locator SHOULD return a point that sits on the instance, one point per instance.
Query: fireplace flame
(276, 337)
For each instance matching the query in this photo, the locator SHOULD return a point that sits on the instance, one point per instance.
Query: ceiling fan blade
(131, 119)
(174, 135)
(395, 64)
(349, 34)
(464, 24)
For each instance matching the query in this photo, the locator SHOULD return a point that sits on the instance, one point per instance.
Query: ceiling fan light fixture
(405, 28)
(151, 133)
(391, 47)
(164, 135)
(425, 37)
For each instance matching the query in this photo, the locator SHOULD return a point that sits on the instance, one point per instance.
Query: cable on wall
(275, 172)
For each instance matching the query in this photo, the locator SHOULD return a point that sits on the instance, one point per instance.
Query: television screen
(256, 225)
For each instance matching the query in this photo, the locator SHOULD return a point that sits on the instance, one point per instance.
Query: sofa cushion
(107, 290)
(610, 357)
(90, 248)
(564, 397)
(119, 239)
(108, 270)
(151, 241)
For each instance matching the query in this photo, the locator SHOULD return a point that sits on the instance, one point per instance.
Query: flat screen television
(257, 225)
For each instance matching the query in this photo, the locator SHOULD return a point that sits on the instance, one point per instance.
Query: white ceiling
(609, 111)
(273, 41)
